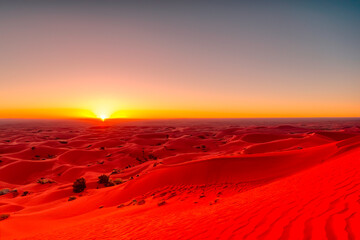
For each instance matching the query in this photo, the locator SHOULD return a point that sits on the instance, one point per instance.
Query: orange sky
(179, 62)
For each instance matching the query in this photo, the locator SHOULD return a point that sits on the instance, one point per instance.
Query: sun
(103, 117)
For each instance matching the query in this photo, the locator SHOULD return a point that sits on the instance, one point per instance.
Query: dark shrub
(110, 184)
(103, 179)
(118, 181)
(25, 193)
(4, 216)
(79, 185)
(161, 203)
(115, 171)
(151, 156)
(45, 181)
(15, 192)
(141, 202)
(4, 191)
(71, 198)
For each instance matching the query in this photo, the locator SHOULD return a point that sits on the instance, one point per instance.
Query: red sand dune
(181, 180)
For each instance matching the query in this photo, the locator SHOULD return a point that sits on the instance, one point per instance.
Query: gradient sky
(180, 59)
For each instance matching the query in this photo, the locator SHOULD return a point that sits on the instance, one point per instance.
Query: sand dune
(180, 181)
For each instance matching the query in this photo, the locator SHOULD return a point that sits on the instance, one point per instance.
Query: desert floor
(181, 179)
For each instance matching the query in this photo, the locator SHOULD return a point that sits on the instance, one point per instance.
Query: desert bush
(151, 156)
(79, 185)
(71, 198)
(141, 202)
(25, 193)
(110, 184)
(45, 181)
(4, 191)
(4, 216)
(161, 203)
(118, 181)
(103, 179)
(15, 192)
(115, 171)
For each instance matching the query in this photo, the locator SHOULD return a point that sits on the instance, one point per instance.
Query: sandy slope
(215, 179)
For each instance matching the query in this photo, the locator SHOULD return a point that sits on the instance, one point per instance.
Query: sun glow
(103, 117)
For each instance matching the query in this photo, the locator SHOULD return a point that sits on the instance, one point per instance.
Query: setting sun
(103, 117)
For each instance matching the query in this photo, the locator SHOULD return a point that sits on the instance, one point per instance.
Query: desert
(180, 179)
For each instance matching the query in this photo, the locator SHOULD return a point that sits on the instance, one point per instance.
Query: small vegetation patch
(162, 203)
(71, 198)
(25, 193)
(15, 192)
(215, 201)
(115, 171)
(105, 180)
(79, 185)
(4, 191)
(4, 216)
(152, 157)
(141, 202)
(118, 181)
(45, 181)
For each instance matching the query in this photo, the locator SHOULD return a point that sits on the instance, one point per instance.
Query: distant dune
(181, 180)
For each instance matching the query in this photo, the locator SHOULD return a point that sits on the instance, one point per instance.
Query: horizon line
(180, 118)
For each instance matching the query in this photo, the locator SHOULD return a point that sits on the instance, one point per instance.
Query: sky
(60, 59)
